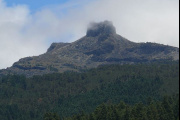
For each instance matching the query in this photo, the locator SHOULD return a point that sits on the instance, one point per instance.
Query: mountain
(101, 46)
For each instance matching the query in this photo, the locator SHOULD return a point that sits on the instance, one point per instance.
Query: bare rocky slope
(100, 46)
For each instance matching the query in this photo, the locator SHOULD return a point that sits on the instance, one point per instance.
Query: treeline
(71, 93)
(167, 109)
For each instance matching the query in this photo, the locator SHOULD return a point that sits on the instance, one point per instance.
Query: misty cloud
(25, 34)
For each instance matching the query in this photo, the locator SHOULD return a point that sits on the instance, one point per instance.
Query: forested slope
(166, 109)
(71, 93)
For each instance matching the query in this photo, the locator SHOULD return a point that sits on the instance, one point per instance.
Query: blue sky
(28, 27)
(35, 5)
(38, 5)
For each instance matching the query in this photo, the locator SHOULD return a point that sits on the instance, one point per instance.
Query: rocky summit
(101, 46)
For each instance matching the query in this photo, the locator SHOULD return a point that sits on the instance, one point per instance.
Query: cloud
(137, 20)
(11, 22)
(16, 41)
(23, 33)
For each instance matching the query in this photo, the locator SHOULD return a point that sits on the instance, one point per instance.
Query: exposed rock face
(100, 46)
(55, 46)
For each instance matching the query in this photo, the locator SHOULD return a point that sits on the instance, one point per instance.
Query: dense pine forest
(167, 109)
(110, 92)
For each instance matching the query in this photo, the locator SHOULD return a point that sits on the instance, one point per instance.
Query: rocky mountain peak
(100, 46)
(96, 29)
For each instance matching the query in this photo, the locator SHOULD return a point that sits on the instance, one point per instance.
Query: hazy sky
(28, 27)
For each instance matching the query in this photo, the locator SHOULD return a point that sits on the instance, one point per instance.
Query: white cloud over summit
(23, 33)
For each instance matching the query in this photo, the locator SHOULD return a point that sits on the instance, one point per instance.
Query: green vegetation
(167, 109)
(72, 93)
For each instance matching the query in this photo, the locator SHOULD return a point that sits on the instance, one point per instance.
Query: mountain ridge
(101, 45)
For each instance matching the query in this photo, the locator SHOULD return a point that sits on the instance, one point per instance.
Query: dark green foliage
(136, 112)
(51, 116)
(71, 93)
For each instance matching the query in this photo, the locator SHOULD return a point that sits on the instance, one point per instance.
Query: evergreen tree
(168, 109)
(51, 116)
(101, 112)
